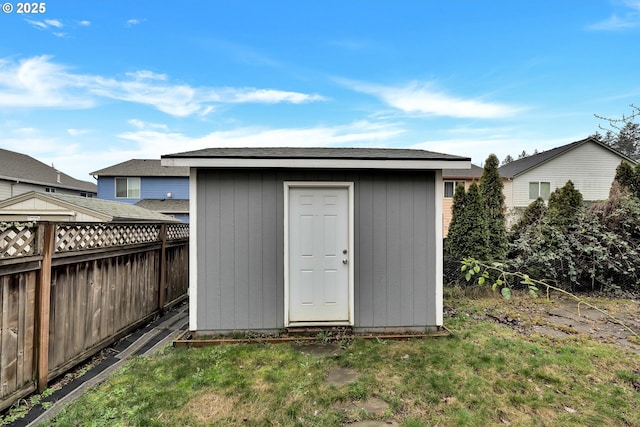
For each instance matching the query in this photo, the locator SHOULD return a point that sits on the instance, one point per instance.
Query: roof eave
(318, 163)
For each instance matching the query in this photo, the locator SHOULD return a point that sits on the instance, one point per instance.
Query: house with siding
(298, 237)
(450, 180)
(148, 184)
(21, 174)
(588, 163)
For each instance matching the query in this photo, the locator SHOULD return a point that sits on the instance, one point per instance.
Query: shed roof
(520, 166)
(106, 209)
(20, 167)
(141, 167)
(295, 157)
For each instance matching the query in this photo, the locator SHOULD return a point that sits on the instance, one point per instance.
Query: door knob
(345, 261)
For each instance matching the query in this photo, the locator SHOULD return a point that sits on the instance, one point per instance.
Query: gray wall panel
(423, 253)
(255, 256)
(270, 249)
(241, 250)
(363, 291)
(394, 289)
(241, 266)
(407, 251)
(227, 262)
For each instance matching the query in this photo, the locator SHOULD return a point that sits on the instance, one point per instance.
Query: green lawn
(483, 374)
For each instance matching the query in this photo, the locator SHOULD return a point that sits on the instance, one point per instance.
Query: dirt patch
(562, 317)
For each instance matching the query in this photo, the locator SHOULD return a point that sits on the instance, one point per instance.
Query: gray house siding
(240, 271)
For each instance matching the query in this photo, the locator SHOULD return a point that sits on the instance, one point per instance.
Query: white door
(318, 242)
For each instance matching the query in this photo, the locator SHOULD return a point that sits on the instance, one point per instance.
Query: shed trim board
(193, 249)
(288, 186)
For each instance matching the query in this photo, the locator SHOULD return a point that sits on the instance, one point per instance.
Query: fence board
(29, 328)
(9, 356)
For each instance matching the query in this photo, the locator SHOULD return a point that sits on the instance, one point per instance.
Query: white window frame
(130, 187)
(455, 185)
(539, 185)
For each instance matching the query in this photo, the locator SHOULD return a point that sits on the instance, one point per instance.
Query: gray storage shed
(286, 237)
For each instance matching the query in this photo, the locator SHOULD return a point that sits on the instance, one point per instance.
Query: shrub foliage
(580, 248)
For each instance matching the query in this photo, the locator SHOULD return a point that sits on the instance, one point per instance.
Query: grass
(485, 373)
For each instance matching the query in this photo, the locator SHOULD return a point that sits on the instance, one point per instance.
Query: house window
(49, 190)
(128, 188)
(539, 189)
(450, 188)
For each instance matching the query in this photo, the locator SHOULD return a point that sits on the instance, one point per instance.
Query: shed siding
(590, 167)
(241, 266)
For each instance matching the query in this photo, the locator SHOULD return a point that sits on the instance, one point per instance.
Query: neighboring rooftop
(519, 166)
(141, 167)
(110, 211)
(20, 167)
(165, 205)
(474, 172)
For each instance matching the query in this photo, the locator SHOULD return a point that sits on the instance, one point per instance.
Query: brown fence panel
(94, 301)
(17, 323)
(177, 277)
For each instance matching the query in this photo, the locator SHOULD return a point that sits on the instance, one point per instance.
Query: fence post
(163, 268)
(43, 308)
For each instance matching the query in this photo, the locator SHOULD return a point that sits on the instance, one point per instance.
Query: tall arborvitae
(491, 187)
(468, 229)
(455, 243)
(629, 177)
(478, 235)
(565, 206)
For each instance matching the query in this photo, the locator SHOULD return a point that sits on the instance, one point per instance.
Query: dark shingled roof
(474, 172)
(20, 167)
(317, 153)
(142, 167)
(165, 205)
(519, 166)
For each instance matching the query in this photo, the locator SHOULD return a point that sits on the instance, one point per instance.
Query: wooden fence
(67, 290)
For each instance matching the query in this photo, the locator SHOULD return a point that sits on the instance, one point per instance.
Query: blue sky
(88, 84)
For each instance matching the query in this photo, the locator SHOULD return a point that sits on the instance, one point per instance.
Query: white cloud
(269, 96)
(40, 82)
(84, 23)
(425, 98)
(501, 143)
(54, 23)
(132, 22)
(629, 18)
(37, 24)
(78, 132)
(152, 141)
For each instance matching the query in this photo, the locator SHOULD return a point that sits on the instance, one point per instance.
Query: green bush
(576, 247)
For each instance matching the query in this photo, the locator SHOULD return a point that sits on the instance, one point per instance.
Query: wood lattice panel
(17, 241)
(74, 237)
(177, 231)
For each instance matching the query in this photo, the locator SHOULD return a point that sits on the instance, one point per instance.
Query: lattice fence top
(75, 237)
(177, 231)
(17, 240)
